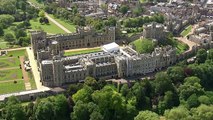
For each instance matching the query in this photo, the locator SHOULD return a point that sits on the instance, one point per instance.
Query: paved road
(34, 69)
(58, 24)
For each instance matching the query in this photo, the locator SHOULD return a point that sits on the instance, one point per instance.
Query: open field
(186, 31)
(66, 24)
(10, 87)
(10, 74)
(50, 28)
(82, 52)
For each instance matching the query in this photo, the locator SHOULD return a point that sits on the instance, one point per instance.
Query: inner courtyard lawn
(10, 87)
(66, 24)
(10, 74)
(143, 45)
(50, 28)
(82, 52)
(181, 47)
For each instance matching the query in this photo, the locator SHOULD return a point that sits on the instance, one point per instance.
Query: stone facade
(154, 31)
(126, 62)
(45, 45)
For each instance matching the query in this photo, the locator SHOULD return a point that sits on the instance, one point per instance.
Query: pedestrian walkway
(10, 68)
(25, 74)
(5, 81)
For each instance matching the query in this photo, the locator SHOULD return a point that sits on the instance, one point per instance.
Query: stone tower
(38, 41)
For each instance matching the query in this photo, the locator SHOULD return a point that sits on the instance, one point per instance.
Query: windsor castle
(57, 69)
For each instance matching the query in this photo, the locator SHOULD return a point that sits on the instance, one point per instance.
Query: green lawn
(186, 31)
(143, 45)
(16, 53)
(50, 28)
(66, 24)
(10, 74)
(10, 87)
(9, 62)
(32, 81)
(82, 52)
(3, 45)
(181, 47)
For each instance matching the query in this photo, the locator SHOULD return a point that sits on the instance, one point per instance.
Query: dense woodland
(14, 18)
(183, 92)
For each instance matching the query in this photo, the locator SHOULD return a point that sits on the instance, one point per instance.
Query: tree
(169, 100)
(1, 30)
(110, 102)
(162, 83)
(61, 107)
(6, 20)
(123, 9)
(24, 41)
(179, 113)
(91, 82)
(73, 88)
(203, 112)
(9, 37)
(147, 115)
(20, 33)
(45, 111)
(14, 110)
(204, 100)
(210, 54)
(201, 56)
(83, 94)
(176, 74)
(41, 14)
(192, 101)
(124, 90)
(190, 86)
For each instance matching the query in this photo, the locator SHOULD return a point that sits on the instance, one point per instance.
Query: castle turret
(38, 41)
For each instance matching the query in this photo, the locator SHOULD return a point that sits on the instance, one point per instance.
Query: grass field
(9, 62)
(32, 81)
(3, 45)
(13, 72)
(66, 24)
(14, 53)
(50, 28)
(143, 45)
(10, 87)
(186, 31)
(181, 47)
(10, 74)
(82, 52)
